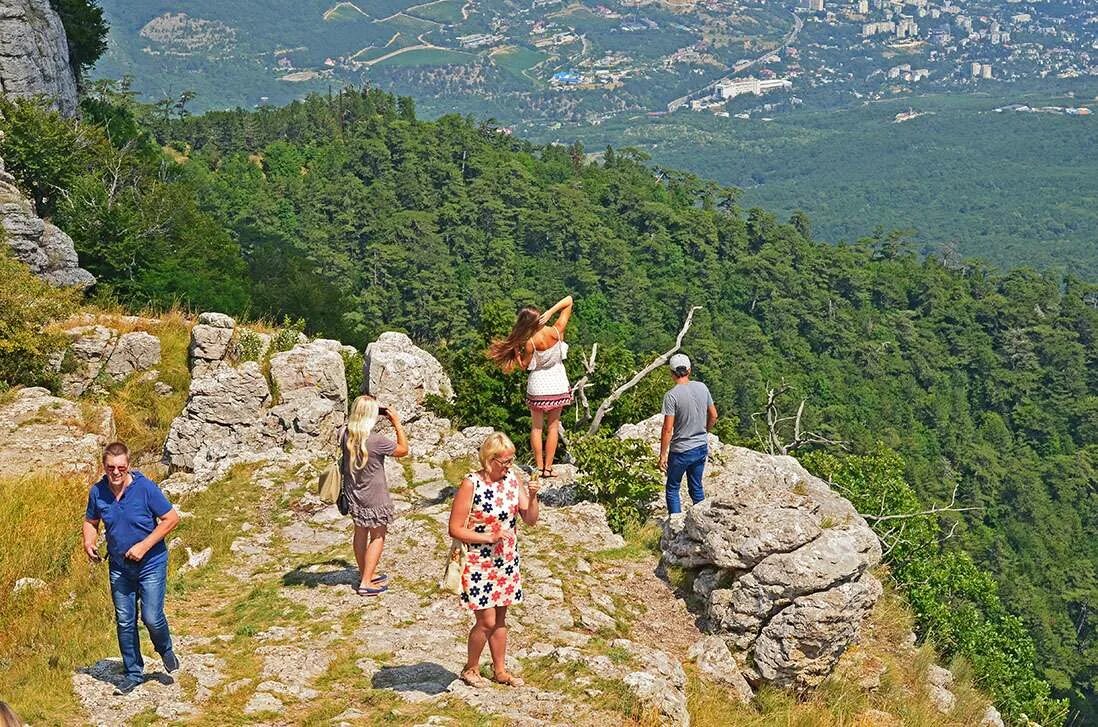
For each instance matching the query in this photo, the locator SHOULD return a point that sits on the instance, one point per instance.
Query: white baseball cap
(679, 361)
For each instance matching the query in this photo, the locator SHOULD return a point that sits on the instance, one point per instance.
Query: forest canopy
(350, 213)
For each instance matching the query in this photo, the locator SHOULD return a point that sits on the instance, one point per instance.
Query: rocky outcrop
(34, 54)
(42, 247)
(233, 413)
(99, 355)
(39, 431)
(780, 562)
(400, 374)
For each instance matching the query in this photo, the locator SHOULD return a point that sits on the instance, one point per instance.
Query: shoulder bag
(456, 561)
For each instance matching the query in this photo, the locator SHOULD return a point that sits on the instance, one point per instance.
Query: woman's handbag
(330, 483)
(455, 563)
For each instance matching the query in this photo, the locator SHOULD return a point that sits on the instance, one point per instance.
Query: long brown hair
(507, 353)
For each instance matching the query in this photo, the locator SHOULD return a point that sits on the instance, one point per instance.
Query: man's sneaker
(127, 685)
(171, 661)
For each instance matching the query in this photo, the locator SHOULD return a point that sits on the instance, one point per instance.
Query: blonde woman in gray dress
(539, 348)
(371, 507)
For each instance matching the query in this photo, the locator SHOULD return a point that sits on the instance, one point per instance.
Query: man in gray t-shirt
(688, 415)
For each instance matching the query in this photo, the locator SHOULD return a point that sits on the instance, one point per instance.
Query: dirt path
(272, 629)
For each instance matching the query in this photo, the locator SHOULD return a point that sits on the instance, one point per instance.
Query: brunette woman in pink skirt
(539, 348)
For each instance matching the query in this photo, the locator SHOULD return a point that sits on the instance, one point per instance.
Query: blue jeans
(692, 464)
(132, 583)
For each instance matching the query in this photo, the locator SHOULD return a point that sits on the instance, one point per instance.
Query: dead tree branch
(771, 416)
(579, 389)
(951, 507)
(608, 402)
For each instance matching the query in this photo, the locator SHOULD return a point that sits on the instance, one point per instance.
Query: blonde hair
(494, 444)
(360, 425)
(8, 718)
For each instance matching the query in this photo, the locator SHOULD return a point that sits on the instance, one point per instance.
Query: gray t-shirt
(689, 404)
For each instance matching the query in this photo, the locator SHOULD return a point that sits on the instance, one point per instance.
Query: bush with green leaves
(288, 335)
(953, 599)
(249, 346)
(27, 306)
(353, 367)
(620, 475)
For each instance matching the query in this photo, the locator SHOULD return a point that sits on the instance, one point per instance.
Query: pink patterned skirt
(549, 402)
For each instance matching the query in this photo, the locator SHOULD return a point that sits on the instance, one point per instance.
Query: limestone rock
(42, 247)
(714, 660)
(220, 421)
(35, 57)
(312, 388)
(401, 375)
(938, 682)
(459, 445)
(133, 352)
(991, 718)
(28, 583)
(39, 431)
(781, 562)
(210, 339)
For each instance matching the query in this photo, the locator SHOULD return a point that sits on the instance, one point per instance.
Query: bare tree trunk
(608, 402)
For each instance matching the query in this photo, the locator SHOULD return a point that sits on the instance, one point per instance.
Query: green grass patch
(446, 12)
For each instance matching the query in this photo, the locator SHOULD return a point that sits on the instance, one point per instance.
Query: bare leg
(478, 637)
(362, 537)
(551, 434)
(537, 422)
(497, 643)
(372, 555)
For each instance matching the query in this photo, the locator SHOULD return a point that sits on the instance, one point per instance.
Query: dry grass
(840, 701)
(49, 632)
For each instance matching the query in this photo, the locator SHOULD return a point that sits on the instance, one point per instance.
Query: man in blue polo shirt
(136, 516)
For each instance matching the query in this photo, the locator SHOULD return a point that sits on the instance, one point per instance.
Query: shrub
(352, 364)
(27, 306)
(288, 335)
(952, 597)
(249, 346)
(618, 474)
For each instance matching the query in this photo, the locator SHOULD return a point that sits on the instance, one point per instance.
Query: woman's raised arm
(459, 517)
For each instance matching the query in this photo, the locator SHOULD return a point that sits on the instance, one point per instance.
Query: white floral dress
(491, 577)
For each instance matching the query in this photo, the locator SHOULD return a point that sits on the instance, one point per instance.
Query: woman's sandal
(547, 472)
(372, 591)
(509, 680)
(473, 679)
(380, 578)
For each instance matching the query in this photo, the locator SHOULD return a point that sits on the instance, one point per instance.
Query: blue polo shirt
(129, 520)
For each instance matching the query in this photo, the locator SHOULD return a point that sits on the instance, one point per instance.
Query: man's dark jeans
(692, 464)
(133, 584)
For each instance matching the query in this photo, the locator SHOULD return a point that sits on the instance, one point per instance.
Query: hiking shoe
(171, 661)
(127, 685)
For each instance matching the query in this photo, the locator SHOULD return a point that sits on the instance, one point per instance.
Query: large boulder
(210, 339)
(35, 56)
(221, 421)
(98, 355)
(39, 431)
(401, 375)
(780, 561)
(233, 413)
(42, 247)
(312, 389)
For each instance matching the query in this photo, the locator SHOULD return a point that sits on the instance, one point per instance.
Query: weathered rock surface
(34, 54)
(97, 355)
(230, 414)
(401, 375)
(715, 660)
(39, 431)
(938, 683)
(210, 339)
(781, 561)
(42, 247)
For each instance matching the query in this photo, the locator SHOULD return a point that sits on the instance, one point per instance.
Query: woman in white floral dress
(485, 515)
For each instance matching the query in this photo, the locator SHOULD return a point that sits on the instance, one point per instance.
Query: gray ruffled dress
(367, 490)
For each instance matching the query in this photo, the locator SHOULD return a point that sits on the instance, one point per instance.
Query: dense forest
(1010, 188)
(353, 215)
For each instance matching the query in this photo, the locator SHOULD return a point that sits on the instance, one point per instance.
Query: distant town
(567, 61)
